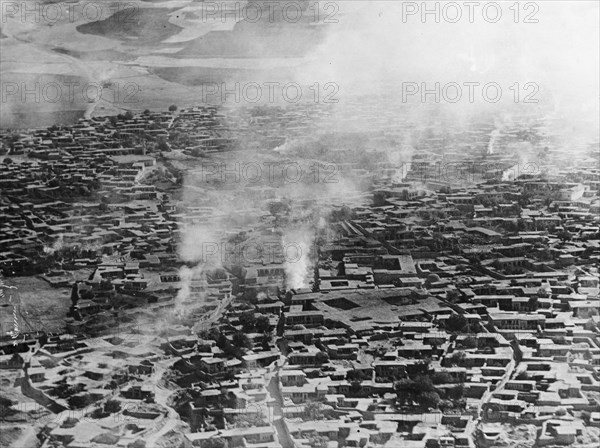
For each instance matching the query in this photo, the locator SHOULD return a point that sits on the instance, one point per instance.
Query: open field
(160, 48)
(42, 306)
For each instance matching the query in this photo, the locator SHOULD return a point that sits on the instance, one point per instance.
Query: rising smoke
(298, 243)
(371, 52)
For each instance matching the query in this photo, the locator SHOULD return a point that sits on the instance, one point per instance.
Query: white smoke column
(201, 247)
(529, 163)
(286, 148)
(402, 158)
(56, 246)
(297, 243)
(493, 137)
(200, 243)
(506, 175)
(322, 223)
(187, 275)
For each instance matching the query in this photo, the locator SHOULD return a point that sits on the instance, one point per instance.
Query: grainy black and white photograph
(299, 224)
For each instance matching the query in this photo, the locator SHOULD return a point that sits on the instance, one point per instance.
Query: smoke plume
(297, 243)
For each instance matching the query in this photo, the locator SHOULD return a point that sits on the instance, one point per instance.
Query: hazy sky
(380, 40)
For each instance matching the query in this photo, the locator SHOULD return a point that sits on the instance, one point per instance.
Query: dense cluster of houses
(463, 297)
(429, 320)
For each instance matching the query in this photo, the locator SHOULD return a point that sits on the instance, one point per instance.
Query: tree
(355, 387)
(452, 295)
(424, 384)
(214, 442)
(281, 325)
(544, 292)
(265, 341)
(75, 293)
(249, 420)
(222, 341)
(98, 413)
(312, 411)
(458, 358)
(163, 146)
(317, 441)
(469, 342)
(357, 375)
(441, 378)
(420, 390)
(241, 340)
(79, 401)
(321, 358)
(565, 235)
(172, 108)
(445, 405)
(262, 324)
(128, 115)
(457, 323)
(112, 406)
(420, 368)
(7, 161)
(522, 376)
(432, 443)
(248, 321)
(406, 390)
(429, 399)
(457, 392)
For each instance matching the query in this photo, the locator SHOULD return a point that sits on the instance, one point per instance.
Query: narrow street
(486, 398)
(161, 396)
(278, 421)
